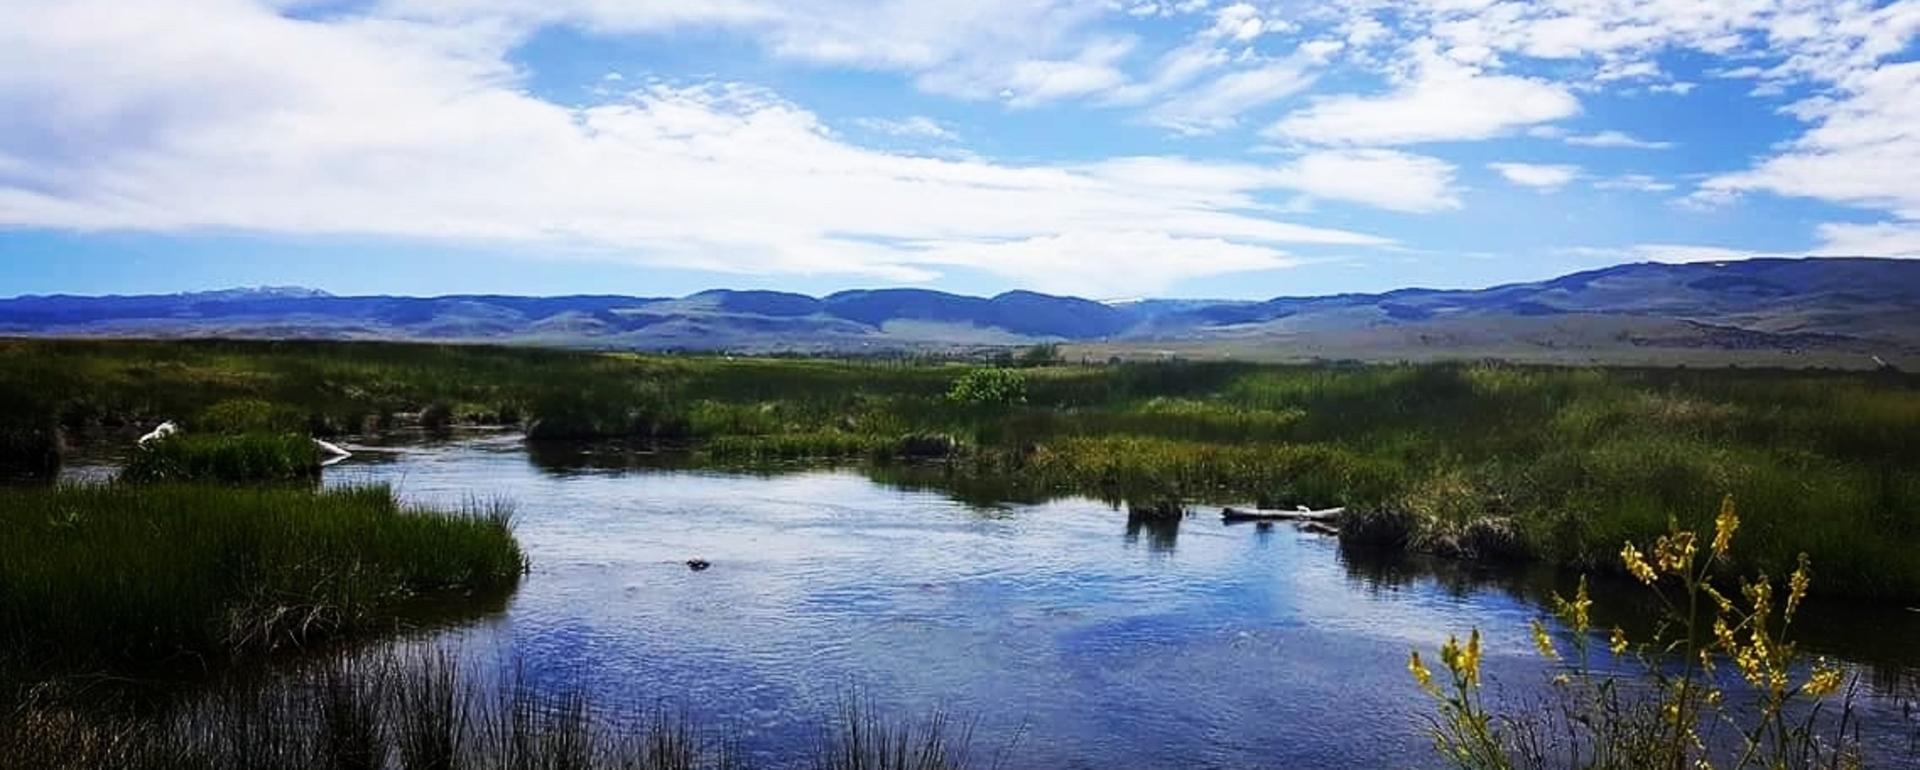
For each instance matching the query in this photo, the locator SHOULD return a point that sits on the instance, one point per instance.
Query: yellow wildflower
(1824, 680)
(1797, 585)
(1470, 659)
(1723, 634)
(1674, 552)
(1543, 641)
(1637, 564)
(1575, 613)
(1724, 526)
(1618, 642)
(1420, 672)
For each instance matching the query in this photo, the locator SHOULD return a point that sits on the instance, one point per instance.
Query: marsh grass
(228, 459)
(1544, 463)
(130, 578)
(426, 710)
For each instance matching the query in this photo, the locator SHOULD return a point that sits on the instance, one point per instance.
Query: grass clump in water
(210, 457)
(110, 577)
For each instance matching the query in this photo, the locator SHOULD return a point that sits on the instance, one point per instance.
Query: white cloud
(1036, 81)
(1020, 50)
(240, 119)
(1862, 149)
(910, 127)
(1639, 182)
(1680, 252)
(1218, 104)
(1539, 176)
(1151, 259)
(1440, 103)
(1615, 139)
(1883, 239)
(1385, 179)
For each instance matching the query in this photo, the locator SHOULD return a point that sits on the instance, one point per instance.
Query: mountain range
(1823, 311)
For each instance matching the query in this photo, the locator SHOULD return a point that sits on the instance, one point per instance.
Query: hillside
(1822, 311)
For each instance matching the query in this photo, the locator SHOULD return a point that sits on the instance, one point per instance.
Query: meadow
(1480, 460)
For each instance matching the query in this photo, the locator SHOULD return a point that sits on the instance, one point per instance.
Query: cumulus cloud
(244, 119)
(1862, 149)
(1540, 176)
(1441, 102)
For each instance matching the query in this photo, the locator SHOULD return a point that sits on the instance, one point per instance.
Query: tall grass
(426, 711)
(207, 458)
(138, 577)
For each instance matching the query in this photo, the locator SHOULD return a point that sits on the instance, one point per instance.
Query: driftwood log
(1302, 513)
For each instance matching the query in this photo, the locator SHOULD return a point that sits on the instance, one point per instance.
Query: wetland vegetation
(217, 545)
(1482, 459)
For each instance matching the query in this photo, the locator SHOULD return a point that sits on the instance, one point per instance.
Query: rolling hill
(1824, 311)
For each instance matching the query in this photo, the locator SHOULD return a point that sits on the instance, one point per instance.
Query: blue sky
(1107, 148)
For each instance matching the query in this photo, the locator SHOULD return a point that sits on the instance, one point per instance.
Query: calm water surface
(1094, 642)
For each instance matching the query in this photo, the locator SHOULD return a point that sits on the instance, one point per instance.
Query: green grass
(210, 457)
(122, 577)
(1535, 462)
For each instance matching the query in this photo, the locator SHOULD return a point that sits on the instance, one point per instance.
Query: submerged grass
(1473, 459)
(120, 577)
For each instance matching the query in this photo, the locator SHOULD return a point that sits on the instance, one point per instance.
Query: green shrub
(992, 386)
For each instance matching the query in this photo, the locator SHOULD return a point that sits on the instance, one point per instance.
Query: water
(1093, 641)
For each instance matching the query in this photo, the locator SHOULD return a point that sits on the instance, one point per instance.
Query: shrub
(990, 386)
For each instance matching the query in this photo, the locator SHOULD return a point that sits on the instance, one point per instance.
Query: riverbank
(1563, 464)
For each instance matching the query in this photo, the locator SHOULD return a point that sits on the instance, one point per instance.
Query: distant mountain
(1836, 306)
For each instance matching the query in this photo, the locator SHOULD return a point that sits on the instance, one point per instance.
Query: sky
(1101, 148)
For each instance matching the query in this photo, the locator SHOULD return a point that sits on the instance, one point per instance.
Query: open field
(1487, 460)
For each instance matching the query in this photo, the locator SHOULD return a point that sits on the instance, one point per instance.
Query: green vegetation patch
(199, 457)
(114, 576)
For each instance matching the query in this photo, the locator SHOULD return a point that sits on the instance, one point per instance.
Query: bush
(992, 386)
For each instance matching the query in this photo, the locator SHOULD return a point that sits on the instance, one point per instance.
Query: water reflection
(1161, 527)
